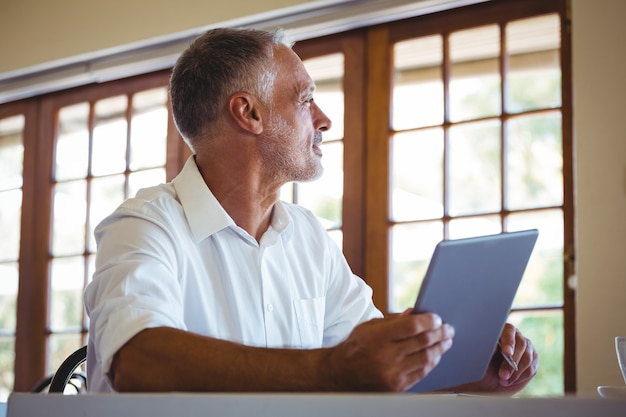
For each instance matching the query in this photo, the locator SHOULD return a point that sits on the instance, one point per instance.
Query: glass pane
(418, 86)
(8, 297)
(91, 268)
(337, 236)
(11, 152)
(60, 346)
(475, 73)
(545, 329)
(10, 222)
(534, 71)
(7, 360)
(287, 192)
(148, 135)
(327, 72)
(106, 194)
(474, 226)
(144, 179)
(417, 175)
(72, 146)
(475, 168)
(534, 161)
(543, 279)
(67, 280)
(412, 246)
(109, 136)
(68, 221)
(324, 195)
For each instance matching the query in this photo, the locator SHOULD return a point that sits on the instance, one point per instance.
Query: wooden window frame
(33, 328)
(380, 40)
(367, 90)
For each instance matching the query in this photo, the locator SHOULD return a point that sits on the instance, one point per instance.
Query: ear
(245, 111)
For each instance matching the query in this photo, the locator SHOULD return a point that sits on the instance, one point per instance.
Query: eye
(307, 101)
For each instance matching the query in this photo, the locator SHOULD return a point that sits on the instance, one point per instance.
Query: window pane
(324, 195)
(337, 236)
(535, 161)
(417, 175)
(11, 152)
(69, 216)
(545, 329)
(10, 222)
(148, 136)
(60, 347)
(542, 283)
(144, 179)
(418, 85)
(327, 72)
(67, 277)
(412, 246)
(72, 145)
(287, 192)
(11, 171)
(474, 226)
(475, 73)
(106, 194)
(109, 136)
(534, 72)
(8, 297)
(7, 359)
(475, 168)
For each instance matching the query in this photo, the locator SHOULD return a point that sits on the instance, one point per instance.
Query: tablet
(471, 284)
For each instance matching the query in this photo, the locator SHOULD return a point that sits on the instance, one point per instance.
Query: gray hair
(217, 64)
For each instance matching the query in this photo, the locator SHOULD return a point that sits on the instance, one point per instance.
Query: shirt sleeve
(135, 285)
(348, 301)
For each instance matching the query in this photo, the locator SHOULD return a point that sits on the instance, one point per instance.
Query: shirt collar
(205, 215)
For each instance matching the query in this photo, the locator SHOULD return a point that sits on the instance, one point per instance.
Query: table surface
(306, 405)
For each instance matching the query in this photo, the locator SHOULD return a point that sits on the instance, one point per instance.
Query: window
(11, 180)
(444, 126)
(324, 196)
(105, 150)
(96, 146)
(481, 152)
(476, 142)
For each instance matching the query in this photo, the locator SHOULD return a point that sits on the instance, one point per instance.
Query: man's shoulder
(155, 201)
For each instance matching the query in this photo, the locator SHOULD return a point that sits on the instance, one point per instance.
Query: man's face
(293, 133)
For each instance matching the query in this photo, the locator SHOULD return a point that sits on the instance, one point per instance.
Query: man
(210, 283)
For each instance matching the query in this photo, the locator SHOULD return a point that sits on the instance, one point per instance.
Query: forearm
(167, 359)
(380, 355)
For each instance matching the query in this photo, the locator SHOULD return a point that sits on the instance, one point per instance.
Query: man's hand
(390, 354)
(501, 378)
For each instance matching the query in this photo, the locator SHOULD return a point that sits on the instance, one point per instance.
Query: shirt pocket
(310, 317)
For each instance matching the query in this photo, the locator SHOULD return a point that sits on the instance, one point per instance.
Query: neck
(241, 191)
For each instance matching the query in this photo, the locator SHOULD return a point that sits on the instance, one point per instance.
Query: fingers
(422, 352)
(523, 353)
(393, 353)
(426, 350)
(405, 326)
(507, 340)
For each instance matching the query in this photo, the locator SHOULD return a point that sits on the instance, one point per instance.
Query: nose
(321, 121)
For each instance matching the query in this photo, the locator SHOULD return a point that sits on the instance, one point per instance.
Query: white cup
(620, 350)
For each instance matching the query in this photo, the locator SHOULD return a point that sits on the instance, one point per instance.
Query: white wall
(33, 32)
(599, 71)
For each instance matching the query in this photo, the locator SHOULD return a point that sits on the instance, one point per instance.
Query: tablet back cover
(471, 284)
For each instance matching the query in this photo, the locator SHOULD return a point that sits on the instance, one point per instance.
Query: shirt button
(270, 307)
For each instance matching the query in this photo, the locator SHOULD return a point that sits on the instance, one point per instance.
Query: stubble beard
(284, 162)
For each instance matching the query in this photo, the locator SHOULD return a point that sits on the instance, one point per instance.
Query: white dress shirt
(173, 257)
